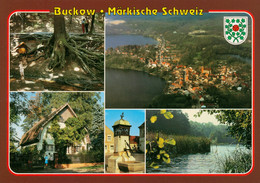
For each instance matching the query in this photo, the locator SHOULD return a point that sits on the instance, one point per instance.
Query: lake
(131, 89)
(113, 41)
(196, 163)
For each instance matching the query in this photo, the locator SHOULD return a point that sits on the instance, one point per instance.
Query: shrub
(240, 161)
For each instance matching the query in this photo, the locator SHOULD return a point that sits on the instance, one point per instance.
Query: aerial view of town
(175, 62)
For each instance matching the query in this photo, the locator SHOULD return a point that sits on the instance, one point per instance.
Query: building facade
(39, 136)
(109, 140)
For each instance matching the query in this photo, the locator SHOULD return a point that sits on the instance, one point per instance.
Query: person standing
(86, 26)
(22, 66)
(46, 158)
(83, 25)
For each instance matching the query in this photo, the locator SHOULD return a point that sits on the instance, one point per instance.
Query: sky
(134, 117)
(204, 118)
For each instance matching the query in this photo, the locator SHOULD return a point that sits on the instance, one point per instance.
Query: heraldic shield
(235, 29)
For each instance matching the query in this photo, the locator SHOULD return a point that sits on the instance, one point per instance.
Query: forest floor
(37, 76)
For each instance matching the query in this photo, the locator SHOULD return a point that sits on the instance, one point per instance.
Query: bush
(87, 157)
(239, 161)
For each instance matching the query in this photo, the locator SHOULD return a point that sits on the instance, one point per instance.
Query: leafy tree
(90, 119)
(239, 124)
(217, 133)
(18, 107)
(165, 125)
(34, 111)
(61, 45)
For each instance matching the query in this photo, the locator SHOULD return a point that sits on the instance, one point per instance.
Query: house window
(112, 147)
(77, 148)
(105, 147)
(109, 138)
(49, 147)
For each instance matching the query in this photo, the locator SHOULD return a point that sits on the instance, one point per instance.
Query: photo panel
(161, 73)
(125, 141)
(56, 132)
(56, 53)
(179, 61)
(193, 141)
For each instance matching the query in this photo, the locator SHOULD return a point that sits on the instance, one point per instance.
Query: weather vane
(122, 115)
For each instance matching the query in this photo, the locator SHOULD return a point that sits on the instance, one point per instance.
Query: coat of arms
(235, 29)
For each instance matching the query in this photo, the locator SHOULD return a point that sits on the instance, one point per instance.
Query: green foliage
(164, 125)
(124, 62)
(90, 119)
(239, 124)
(173, 145)
(32, 155)
(156, 151)
(97, 150)
(240, 161)
(74, 132)
(190, 145)
(216, 133)
(35, 107)
(226, 98)
(18, 106)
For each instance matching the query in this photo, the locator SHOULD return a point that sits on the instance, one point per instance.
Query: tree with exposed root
(61, 47)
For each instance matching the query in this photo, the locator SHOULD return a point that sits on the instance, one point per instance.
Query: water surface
(131, 89)
(197, 163)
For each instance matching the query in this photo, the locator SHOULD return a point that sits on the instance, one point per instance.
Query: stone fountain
(122, 161)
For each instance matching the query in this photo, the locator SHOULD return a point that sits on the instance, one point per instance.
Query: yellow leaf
(153, 119)
(155, 167)
(166, 160)
(145, 150)
(166, 155)
(163, 111)
(162, 151)
(168, 115)
(160, 142)
(158, 156)
(172, 142)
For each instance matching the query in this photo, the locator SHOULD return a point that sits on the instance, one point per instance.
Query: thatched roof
(33, 135)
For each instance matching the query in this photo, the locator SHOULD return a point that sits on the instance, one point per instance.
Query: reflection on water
(128, 88)
(197, 163)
